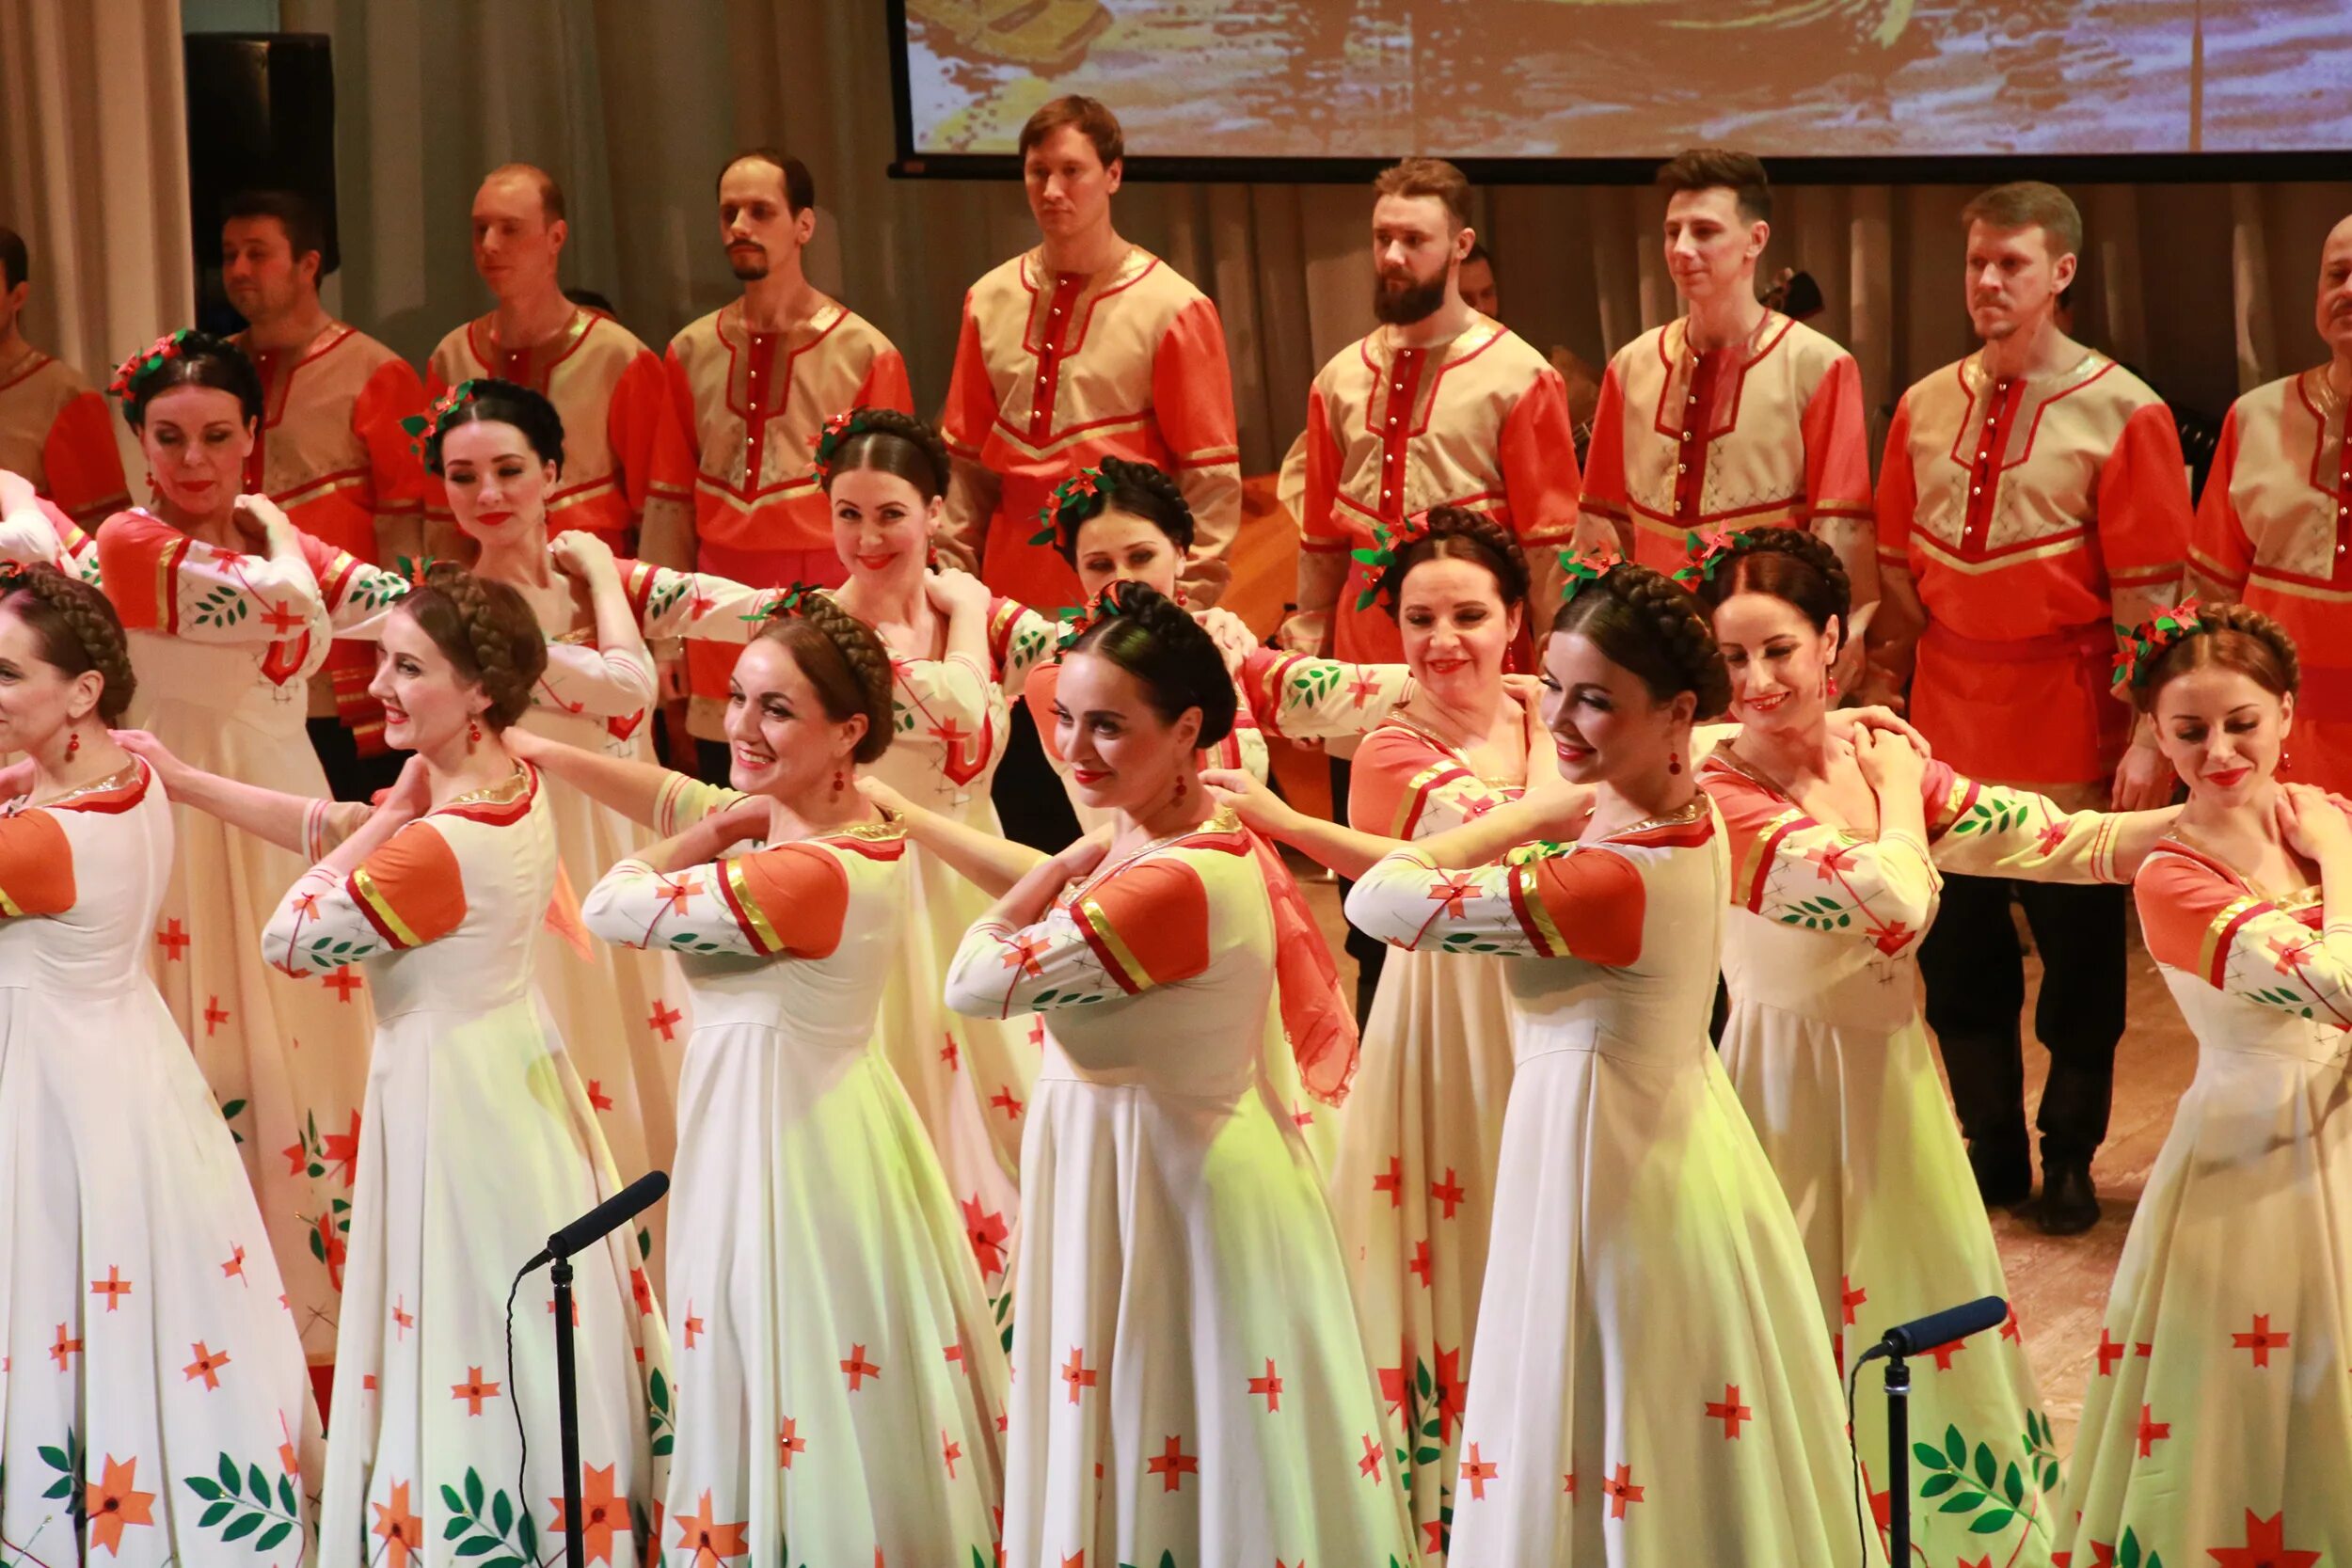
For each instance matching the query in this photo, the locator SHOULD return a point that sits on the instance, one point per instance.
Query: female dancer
(478, 1138)
(230, 610)
(2217, 1425)
(133, 1394)
(1838, 845)
(788, 949)
(1175, 1406)
(1651, 1384)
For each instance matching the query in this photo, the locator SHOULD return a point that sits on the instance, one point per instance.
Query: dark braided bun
(198, 360)
(1147, 635)
(487, 631)
(1790, 565)
(78, 631)
(2234, 637)
(1647, 623)
(896, 443)
(1459, 533)
(1135, 489)
(847, 663)
(493, 400)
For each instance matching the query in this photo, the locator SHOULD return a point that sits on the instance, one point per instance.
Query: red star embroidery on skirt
(1269, 1386)
(598, 1099)
(1852, 1297)
(473, 1390)
(949, 1451)
(172, 940)
(947, 1053)
(789, 1442)
(1944, 1354)
(1077, 1375)
(859, 1368)
(2009, 1329)
(1393, 1184)
(1447, 1192)
(207, 1365)
(2266, 1547)
(1392, 1384)
(1621, 1491)
(1476, 1473)
(234, 1268)
(1004, 1101)
(1173, 1465)
(1433, 1538)
(65, 1350)
(1452, 1389)
(664, 1017)
(2151, 1433)
(114, 1286)
(693, 1326)
(214, 1015)
(1370, 1464)
(1729, 1411)
(2260, 1339)
(987, 1231)
(710, 1541)
(641, 1289)
(341, 1151)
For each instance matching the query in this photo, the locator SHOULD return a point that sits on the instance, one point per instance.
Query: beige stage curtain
(632, 105)
(94, 175)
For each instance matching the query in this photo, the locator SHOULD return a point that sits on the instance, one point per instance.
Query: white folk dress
(1189, 1384)
(2217, 1424)
(1414, 1185)
(477, 1141)
(1830, 1055)
(839, 1376)
(153, 1404)
(1652, 1388)
(224, 645)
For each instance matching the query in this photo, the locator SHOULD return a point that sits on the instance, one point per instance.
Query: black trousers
(349, 775)
(1370, 953)
(1030, 800)
(1976, 985)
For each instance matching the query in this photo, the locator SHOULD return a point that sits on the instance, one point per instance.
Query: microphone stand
(568, 1413)
(1898, 1459)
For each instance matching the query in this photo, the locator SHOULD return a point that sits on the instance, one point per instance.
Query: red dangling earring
(1182, 789)
(841, 782)
(1179, 598)
(1674, 762)
(473, 732)
(1833, 685)
(72, 744)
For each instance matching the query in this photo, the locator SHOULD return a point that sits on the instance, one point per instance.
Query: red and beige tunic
(2217, 1423)
(1480, 421)
(55, 432)
(330, 451)
(841, 1368)
(1652, 1387)
(1825, 1044)
(1189, 1384)
(153, 1407)
(223, 645)
(476, 1141)
(1055, 371)
(751, 405)
(2037, 516)
(2273, 527)
(623, 452)
(1765, 433)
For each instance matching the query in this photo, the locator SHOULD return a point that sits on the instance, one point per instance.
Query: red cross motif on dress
(1447, 1192)
(214, 1015)
(859, 1368)
(1393, 1184)
(2009, 1329)
(1944, 1354)
(950, 1451)
(473, 1390)
(1270, 1386)
(1421, 1264)
(598, 1099)
(709, 1541)
(1621, 1491)
(2266, 1547)
(1449, 890)
(1077, 1375)
(207, 1365)
(234, 1268)
(1852, 1298)
(693, 1326)
(1369, 1466)
(2151, 1432)
(114, 1286)
(789, 1442)
(987, 1230)
(2109, 1353)
(63, 1352)
(1173, 1465)
(283, 620)
(1729, 1411)
(402, 1317)
(1477, 1472)
(343, 982)
(664, 1017)
(2260, 1339)
(172, 940)
(947, 1053)
(1003, 1100)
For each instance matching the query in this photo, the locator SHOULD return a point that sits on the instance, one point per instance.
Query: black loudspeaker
(261, 115)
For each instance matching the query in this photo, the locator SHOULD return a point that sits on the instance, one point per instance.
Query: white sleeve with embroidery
(1407, 902)
(599, 683)
(686, 910)
(1996, 831)
(228, 596)
(999, 972)
(1801, 872)
(1302, 698)
(319, 927)
(699, 605)
(2276, 961)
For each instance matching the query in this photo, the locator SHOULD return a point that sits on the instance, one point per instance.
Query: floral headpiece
(1074, 501)
(788, 600)
(1386, 543)
(827, 442)
(2144, 643)
(1706, 551)
(146, 362)
(425, 428)
(1077, 622)
(1579, 567)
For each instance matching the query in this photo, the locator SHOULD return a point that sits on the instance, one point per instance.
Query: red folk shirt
(1767, 434)
(623, 453)
(1480, 421)
(55, 432)
(2273, 530)
(751, 404)
(1055, 371)
(2034, 512)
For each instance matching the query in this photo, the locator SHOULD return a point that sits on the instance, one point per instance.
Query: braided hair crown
(2235, 637)
(1645, 621)
(885, 438)
(1117, 484)
(1458, 534)
(77, 628)
(487, 630)
(1789, 565)
(845, 660)
(1158, 643)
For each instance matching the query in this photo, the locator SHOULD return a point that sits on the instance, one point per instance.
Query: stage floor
(2057, 1285)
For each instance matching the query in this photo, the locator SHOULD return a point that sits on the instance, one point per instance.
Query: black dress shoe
(2004, 1174)
(2070, 1205)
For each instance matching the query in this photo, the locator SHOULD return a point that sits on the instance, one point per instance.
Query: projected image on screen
(1641, 78)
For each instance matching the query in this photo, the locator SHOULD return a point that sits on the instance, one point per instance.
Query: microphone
(621, 1207)
(1938, 1329)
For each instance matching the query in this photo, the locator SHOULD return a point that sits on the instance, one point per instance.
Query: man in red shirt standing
(753, 383)
(329, 450)
(53, 429)
(2033, 501)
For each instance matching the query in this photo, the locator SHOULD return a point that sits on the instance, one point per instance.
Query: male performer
(626, 463)
(1732, 416)
(53, 430)
(330, 451)
(2274, 526)
(753, 383)
(1084, 348)
(2032, 500)
(1439, 407)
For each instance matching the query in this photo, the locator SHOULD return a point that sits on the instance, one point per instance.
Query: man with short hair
(329, 448)
(2274, 527)
(1084, 348)
(626, 467)
(753, 383)
(1732, 416)
(53, 429)
(2033, 501)
(1439, 407)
